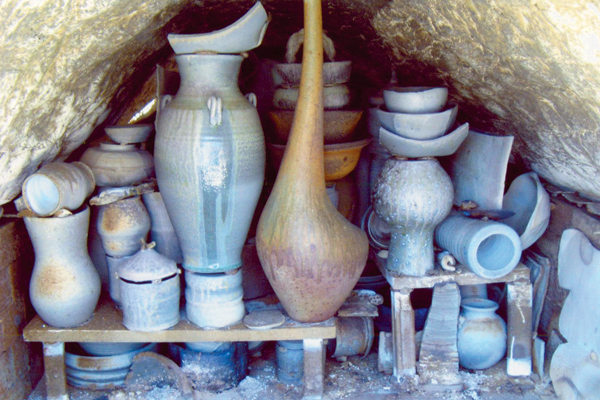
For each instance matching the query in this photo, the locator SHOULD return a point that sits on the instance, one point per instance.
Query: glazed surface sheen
(210, 175)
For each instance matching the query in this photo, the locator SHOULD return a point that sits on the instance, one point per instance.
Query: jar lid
(147, 265)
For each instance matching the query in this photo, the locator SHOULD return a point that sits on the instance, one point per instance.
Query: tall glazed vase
(210, 160)
(311, 254)
(65, 286)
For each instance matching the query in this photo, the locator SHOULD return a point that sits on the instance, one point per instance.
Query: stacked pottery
(342, 148)
(122, 223)
(210, 161)
(413, 193)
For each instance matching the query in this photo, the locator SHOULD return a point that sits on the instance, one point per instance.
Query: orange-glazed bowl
(338, 125)
(340, 158)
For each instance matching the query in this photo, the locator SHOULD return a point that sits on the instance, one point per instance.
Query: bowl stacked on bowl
(416, 122)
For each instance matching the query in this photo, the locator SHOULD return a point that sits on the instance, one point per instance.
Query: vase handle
(215, 106)
(252, 99)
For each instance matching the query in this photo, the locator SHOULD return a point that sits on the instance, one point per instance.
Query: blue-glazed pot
(210, 161)
(481, 334)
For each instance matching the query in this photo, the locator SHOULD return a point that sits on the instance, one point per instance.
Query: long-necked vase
(311, 254)
(210, 161)
(65, 286)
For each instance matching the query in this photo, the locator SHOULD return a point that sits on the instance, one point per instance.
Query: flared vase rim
(479, 305)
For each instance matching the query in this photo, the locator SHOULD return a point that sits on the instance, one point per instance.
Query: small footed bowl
(129, 134)
(340, 158)
(419, 126)
(415, 99)
(339, 125)
(334, 97)
(442, 146)
(334, 73)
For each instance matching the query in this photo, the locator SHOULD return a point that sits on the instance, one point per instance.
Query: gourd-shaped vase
(413, 197)
(481, 334)
(210, 160)
(65, 286)
(311, 254)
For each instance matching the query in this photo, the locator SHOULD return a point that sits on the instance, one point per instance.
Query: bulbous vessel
(311, 254)
(413, 197)
(122, 226)
(65, 286)
(210, 161)
(481, 334)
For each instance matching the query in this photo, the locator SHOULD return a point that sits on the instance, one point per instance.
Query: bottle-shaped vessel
(311, 254)
(64, 287)
(210, 160)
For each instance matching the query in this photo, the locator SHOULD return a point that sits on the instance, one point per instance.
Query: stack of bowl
(342, 147)
(416, 121)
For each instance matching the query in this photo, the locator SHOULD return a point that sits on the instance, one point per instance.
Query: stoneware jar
(412, 197)
(214, 300)
(149, 291)
(481, 334)
(58, 185)
(118, 164)
(210, 161)
(122, 225)
(64, 286)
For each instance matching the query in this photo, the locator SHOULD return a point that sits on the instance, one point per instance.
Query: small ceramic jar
(149, 291)
(118, 165)
(481, 334)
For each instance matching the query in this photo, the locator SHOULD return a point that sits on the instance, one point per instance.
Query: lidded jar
(118, 164)
(481, 334)
(149, 291)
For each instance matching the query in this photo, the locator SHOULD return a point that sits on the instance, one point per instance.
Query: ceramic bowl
(109, 349)
(128, 134)
(334, 97)
(442, 146)
(243, 35)
(339, 125)
(334, 73)
(530, 202)
(419, 126)
(100, 372)
(415, 99)
(340, 159)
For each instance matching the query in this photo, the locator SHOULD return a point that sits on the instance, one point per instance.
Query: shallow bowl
(128, 134)
(339, 125)
(334, 73)
(334, 97)
(411, 148)
(418, 126)
(415, 99)
(340, 158)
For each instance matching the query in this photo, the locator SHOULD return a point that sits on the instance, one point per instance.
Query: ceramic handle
(215, 105)
(252, 99)
(166, 99)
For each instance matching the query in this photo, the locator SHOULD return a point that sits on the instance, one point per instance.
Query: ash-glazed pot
(210, 160)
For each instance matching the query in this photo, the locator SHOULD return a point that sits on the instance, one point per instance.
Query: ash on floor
(357, 378)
